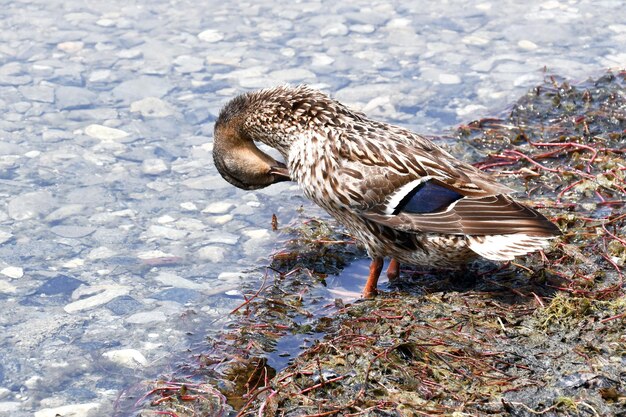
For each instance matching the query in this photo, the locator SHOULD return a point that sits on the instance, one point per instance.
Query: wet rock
(105, 133)
(41, 93)
(211, 36)
(95, 295)
(129, 358)
(152, 107)
(212, 253)
(178, 295)
(69, 98)
(12, 272)
(64, 212)
(154, 166)
(218, 207)
(221, 237)
(5, 236)
(101, 252)
(165, 232)
(140, 88)
(147, 317)
(72, 232)
(6, 287)
(71, 47)
(187, 64)
(71, 410)
(56, 135)
(30, 205)
(123, 305)
(61, 284)
(173, 280)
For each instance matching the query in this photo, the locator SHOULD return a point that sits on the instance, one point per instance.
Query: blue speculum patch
(427, 197)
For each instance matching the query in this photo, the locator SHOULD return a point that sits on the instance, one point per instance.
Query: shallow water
(120, 243)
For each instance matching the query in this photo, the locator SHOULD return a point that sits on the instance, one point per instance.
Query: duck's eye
(427, 197)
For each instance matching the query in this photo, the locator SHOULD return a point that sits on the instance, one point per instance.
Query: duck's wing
(414, 186)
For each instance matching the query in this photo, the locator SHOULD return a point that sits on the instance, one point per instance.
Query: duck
(399, 194)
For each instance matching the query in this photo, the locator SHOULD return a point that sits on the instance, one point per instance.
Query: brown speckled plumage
(397, 192)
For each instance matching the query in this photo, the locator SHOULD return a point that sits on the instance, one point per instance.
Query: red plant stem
(566, 189)
(532, 161)
(570, 144)
(321, 384)
(619, 239)
(615, 317)
(248, 300)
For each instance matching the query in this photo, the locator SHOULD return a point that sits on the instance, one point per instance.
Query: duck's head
(237, 158)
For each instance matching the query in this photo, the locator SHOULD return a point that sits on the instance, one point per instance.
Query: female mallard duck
(398, 193)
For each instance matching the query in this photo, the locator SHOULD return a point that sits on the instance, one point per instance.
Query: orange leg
(393, 270)
(372, 281)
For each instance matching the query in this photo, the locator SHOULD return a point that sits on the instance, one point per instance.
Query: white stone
(32, 154)
(173, 280)
(64, 212)
(99, 75)
(449, 79)
(221, 237)
(101, 252)
(73, 263)
(210, 35)
(154, 166)
(223, 219)
(321, 60)
(146, 317)
(334, 29)
(213, 254)
(70, 410)
(166, 232)
(6, 287)
(219, 207)
(102, 294)
(188, 64)
(153, 254)
(165, 219)
(471, 109)
(71, 46)
(130, 53)
(363, 28)
(129, 358)
(30, 205)
(475, 40)
(230, 276)
(526, 44)
(105, 133)
(257, 233)
(152, 107)
(619, 28)
(189, 206)
(13, 272)
(33, 381)
(105, 22)
(8, 408)
(4, 236)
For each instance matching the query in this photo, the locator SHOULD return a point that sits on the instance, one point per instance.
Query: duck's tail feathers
(507, 247)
